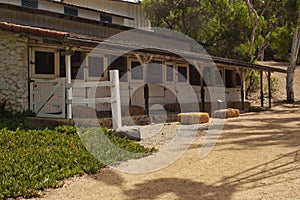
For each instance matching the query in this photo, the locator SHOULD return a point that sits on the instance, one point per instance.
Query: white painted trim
(105, 68)
(129, 60)
(32, 62)
(165, 73)
(187, 73)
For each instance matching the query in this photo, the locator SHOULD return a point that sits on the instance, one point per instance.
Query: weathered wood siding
(55, 23)
(120, 8)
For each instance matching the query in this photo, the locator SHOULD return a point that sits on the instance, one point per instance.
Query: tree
(265, 16)
(219, 25)
(295, 50)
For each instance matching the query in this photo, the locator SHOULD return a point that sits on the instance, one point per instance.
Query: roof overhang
(92, 41)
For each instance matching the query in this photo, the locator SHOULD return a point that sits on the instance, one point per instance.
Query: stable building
(58, 55)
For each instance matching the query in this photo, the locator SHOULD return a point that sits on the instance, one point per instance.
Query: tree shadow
(182, 188)
(262, 175)
(259, 130)
(257, 133)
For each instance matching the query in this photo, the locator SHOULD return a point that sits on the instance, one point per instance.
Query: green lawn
(33, 159)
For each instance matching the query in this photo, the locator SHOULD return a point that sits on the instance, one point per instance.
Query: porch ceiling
(140, 48)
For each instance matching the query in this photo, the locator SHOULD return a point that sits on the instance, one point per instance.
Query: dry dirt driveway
(256, 157)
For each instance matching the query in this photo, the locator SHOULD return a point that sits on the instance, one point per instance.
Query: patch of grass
(33, 159)
(110, 149)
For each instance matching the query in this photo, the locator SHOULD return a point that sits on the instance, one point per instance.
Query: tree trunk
(292, 66)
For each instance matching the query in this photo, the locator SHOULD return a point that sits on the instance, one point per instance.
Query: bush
(253, 83)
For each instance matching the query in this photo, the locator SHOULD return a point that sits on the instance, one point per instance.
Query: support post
(145, 60)
(261, 89)
(269, 89)
(115, 99)
(202, 95)
(69, 81)
(243, 74)
(243, 77)
(146, 89)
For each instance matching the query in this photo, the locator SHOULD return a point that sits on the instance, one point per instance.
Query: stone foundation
(14, 72)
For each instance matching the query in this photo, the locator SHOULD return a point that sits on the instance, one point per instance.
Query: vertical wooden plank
(63, 94)
(269, 89)
(69, 80)
(115, 99)
(261, 89)
(31, 96)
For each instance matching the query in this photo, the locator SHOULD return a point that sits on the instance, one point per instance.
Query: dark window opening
(77, 68)
(182, 74)
(119, 63)
(105, 18)
(30, 3)
(71, 11)
(237, 79)
(194, 76)
(229, 78)
(207, 76)
(96, 66)
(136, 71)
(155, 72)
(170, 73)
(44, 62)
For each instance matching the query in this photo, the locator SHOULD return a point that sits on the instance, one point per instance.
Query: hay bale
(136, 110)
(193, 118)
(132, 110)
(227, 113)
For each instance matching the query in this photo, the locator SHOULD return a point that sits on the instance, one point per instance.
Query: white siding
(119, 8)
(15, 2)
(45, 5)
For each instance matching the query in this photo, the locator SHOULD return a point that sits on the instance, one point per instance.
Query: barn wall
(14, 72)
(131, 10)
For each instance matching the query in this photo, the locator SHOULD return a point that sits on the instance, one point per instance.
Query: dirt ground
(257, 157)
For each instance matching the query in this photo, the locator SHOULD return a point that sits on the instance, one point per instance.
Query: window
(207, 76)
(194, 76)
(119, 63)
(237, 79)
(169, 73)
(77, 68)
(219, 77)
(182, 74)
(229, 78)
(30, 3)
(70, 11)
(105, 18)
(96, 66)
(136, 71)
(44, 62)
(155, 72)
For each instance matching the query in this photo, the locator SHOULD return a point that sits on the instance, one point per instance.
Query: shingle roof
(40, 32)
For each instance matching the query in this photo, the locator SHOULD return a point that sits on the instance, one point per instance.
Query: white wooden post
(69, 90)
(115, 99)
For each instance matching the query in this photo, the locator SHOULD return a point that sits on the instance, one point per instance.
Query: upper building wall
(115, 12)
(122, 8)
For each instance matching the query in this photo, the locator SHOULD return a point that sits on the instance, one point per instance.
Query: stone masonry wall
(14, 72)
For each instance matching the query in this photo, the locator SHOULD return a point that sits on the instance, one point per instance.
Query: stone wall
(14, 72)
